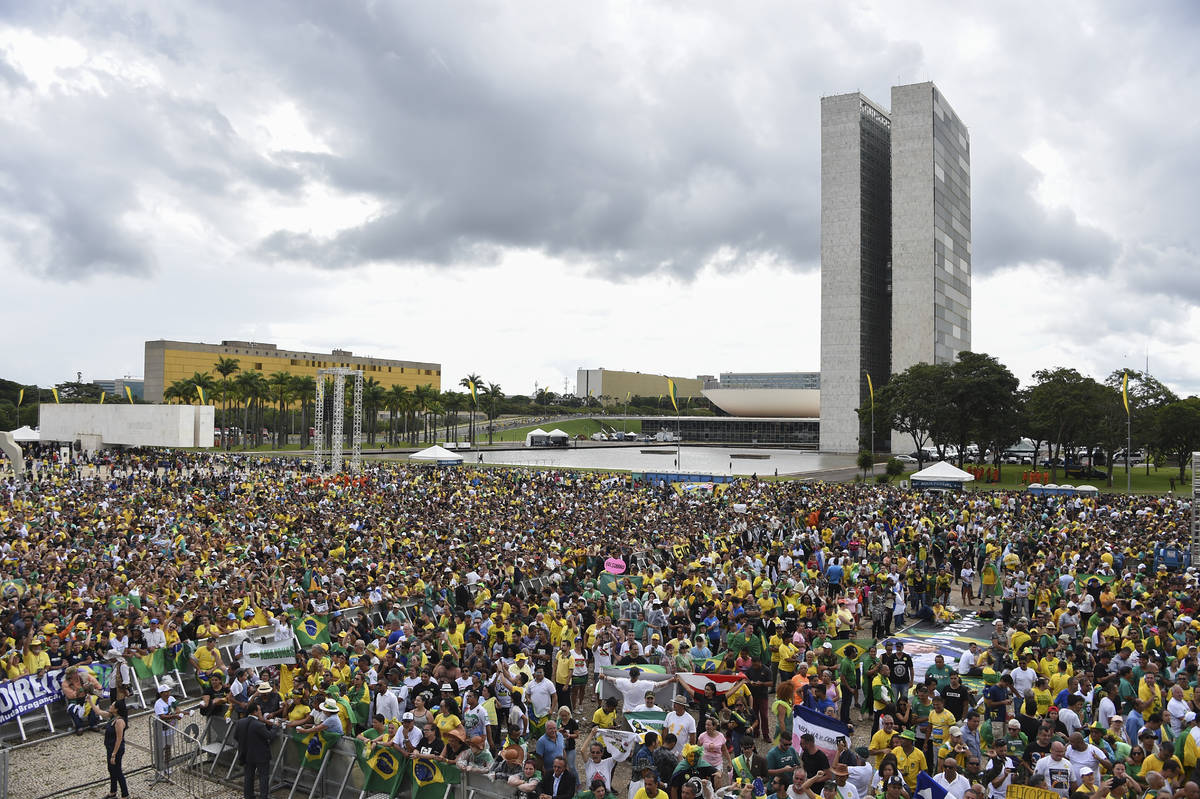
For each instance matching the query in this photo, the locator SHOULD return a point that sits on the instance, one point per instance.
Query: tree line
(977, 401)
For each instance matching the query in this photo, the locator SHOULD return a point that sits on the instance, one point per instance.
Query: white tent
(1086, 489)
(440, 455)
(25, 434)
(557, 435)
(536, 438)
(940, 475)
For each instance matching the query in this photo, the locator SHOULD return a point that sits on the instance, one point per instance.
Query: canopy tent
(23, 435)
(440, 455)
(940, 475)
(537, 438)
(557, 436)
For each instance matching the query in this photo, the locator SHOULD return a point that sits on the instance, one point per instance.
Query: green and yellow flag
(20, 397)
(474, 398)
(13, 588)
(673, 394)
(129, 393)
(432, 780)
(54, 391)
(1125, 391)
(314, 746)
(871, 389)
(148, 666)
(311, 630)
(200, 393)
(383, 769)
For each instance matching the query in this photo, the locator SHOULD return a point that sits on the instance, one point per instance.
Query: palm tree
(425, 396)
(225, 367)
(304, 387)
(178, 391)
(397, 398)
(200, 380)
(492, 394)
(473, 397)
(252, 390)
(281, 392)
(374, 396)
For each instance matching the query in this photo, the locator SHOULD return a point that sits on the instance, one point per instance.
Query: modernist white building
(895, 248)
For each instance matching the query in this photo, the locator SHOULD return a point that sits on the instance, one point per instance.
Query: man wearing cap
(165, 711)
(681, 723)
(408, 736)
(909, 759)
(154, 636)
(330, 721)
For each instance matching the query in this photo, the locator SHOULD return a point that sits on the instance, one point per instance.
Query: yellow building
(168, 361)
(610, 386)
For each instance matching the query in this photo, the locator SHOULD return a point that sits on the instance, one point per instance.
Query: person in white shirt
(998, 786)
(1085, 755)
(387, 704)
(540, 696)
(154, 635)
(968, 659)
(951, 779)
(631, 689)
(1023, 677)
(1057, 772)
(1177, 708)
(680, 722)
(408, 736)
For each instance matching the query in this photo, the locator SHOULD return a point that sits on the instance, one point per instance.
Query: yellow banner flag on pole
(20, 397)
(474, 398)
(871, 389)
(200, 393)
(674, 394)
(103, 394)
(54, 391)
(129, 393)
(1125, 391)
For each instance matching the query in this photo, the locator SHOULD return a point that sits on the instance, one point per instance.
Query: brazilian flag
(863, 645)
(181, 653)
(383, 769)
(308, 582)
(311, 630)
(149, 666)
(432, 780)
(13, 589)
(118, 602)
(314, 746)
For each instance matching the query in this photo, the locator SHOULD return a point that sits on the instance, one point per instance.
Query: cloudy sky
(521, 189)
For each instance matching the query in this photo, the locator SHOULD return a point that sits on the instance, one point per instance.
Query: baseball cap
(1083, 772)
(407, 717)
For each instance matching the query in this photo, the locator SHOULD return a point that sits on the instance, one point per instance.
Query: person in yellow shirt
(207, 658)
(940, 722)
(787, 659)
(1149, 692)
(36, 658)
(881, 742)
(910, 760)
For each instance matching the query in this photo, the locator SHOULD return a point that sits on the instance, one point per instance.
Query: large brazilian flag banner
(383, 768)
(311, 630)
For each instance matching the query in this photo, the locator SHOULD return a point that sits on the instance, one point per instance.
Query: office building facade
(856, 246)
(612, 386)
(895, 248)
(168, 361)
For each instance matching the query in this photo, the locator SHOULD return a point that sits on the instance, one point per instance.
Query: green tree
(75, 391)
(981, 389)
(374, 397)
(226, 367)
(473, 401)
(912, 402)
(178, 391)
(281, 393)
(1059, 410)
(1179, 430)
(396, 402)
(494, 395)
(1147, 395)
(304, 388)
(865, 461)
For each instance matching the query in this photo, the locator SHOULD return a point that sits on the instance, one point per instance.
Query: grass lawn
(1158, 481)
(574, 427)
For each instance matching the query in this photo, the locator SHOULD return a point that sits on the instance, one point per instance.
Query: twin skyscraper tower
(895, 249)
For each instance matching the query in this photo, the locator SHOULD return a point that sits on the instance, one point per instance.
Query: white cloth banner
(824, 730)
(269, 654)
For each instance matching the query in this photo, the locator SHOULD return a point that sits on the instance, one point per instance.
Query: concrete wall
(129, 425)
(613, 385)
(841, 271)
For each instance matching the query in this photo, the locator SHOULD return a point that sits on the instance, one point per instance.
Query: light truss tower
(337, 433)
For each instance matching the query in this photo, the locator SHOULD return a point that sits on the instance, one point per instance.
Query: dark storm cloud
(1010, 227)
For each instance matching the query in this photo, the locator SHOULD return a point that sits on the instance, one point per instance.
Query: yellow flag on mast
(871, 389)
(674, 394)
(1125, 391)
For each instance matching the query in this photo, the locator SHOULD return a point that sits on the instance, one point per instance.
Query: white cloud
(627, 186)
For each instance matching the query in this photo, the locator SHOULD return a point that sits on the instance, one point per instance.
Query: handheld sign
(614, 566)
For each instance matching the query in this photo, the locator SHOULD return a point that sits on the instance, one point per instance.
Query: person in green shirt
(940, 672)
(848, 683)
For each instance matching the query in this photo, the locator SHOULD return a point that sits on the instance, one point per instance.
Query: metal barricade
(4, 772)
(177, 756)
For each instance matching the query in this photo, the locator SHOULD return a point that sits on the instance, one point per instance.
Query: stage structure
(337, 433)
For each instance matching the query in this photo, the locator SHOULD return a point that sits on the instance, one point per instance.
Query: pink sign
(614, 566)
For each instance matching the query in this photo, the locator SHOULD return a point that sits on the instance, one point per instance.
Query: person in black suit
(558, 783)
(253, 737)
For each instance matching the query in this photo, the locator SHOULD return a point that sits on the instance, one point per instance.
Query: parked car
(599, 437)
(907, 460)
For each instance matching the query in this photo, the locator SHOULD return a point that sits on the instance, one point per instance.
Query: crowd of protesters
(1085, 687)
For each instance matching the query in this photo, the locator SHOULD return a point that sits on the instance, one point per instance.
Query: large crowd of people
(1087, 686)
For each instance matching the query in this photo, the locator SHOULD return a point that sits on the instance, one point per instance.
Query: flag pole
(1128, 433)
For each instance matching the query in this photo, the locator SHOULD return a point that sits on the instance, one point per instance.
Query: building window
(258, 366)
